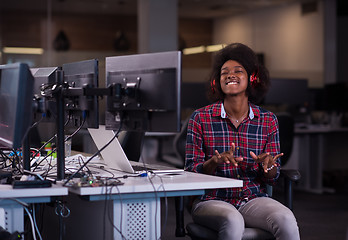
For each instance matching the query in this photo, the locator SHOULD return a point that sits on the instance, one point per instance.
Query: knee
(284, 222)
(233, 221)
(231, 227)
(284, 218)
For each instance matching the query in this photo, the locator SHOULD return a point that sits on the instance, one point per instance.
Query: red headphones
(212, 84)
(254, 78)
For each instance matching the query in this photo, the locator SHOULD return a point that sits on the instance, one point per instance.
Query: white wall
(292, 43)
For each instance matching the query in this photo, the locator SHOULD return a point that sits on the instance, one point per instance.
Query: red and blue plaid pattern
(209, 131)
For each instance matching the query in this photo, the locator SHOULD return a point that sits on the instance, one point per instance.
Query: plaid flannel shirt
(210, 129)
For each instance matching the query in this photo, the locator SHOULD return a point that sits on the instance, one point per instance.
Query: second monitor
(147, 88)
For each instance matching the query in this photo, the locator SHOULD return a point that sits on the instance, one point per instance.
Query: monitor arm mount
(121, 95)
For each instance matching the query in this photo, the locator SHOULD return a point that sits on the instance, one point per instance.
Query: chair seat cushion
(199, 232)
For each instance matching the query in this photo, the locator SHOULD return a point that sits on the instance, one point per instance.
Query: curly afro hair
(257, 74)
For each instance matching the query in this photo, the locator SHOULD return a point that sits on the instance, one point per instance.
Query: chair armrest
(291, 174)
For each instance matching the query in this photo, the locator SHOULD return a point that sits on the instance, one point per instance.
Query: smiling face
(233, 78)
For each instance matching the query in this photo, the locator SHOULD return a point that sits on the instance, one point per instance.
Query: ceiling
(186, 8)
(223, 8)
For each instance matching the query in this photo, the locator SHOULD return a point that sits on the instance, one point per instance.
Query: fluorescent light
(201, 49)
(23, 50)
(194, 50)
(215, 48)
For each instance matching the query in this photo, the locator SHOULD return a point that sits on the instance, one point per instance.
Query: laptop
(115, 158)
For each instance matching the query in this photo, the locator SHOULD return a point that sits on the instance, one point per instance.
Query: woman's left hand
(267, 160)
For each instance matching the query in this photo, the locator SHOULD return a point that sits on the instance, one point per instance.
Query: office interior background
(300, 41)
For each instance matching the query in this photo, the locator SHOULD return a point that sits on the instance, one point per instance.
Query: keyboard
(141, 168)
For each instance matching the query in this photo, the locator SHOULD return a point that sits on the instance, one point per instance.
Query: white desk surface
(313, 129)
(184, 182)
(6, 191)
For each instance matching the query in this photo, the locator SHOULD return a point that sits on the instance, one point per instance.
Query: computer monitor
(79, 75)
(16, 94)
(147, 92)
(45, 78)
(287, 91)
(336, 97)
(194, 95)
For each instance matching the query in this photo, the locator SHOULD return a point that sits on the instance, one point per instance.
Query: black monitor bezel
(23, 106)
(45, 78)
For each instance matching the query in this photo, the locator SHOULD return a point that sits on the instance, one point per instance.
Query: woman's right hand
(220, 158)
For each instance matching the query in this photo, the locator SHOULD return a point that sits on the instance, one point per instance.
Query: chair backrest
(132, 144)
(286, 135)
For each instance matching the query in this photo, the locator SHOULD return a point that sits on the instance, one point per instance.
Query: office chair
(179, 142)
(286, 137)
(199, 232)
(132, 143)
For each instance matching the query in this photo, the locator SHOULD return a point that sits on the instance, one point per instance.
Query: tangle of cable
(94, 155)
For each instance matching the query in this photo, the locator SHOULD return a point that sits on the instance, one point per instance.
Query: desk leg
(321, 158)
(312, 154)
(137, 219)
(12, 218)
(317, 158)
(304, 161)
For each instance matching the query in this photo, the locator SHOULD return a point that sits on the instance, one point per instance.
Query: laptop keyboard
(141, 168)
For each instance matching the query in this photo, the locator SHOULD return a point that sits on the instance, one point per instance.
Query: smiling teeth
(233, 83)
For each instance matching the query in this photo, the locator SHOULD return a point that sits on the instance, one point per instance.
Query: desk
(13, 211)
(310, 154)
(137, 205)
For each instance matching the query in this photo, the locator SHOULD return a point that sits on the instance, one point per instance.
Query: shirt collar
(224, 114)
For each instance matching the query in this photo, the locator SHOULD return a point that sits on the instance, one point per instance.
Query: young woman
(235, 138)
